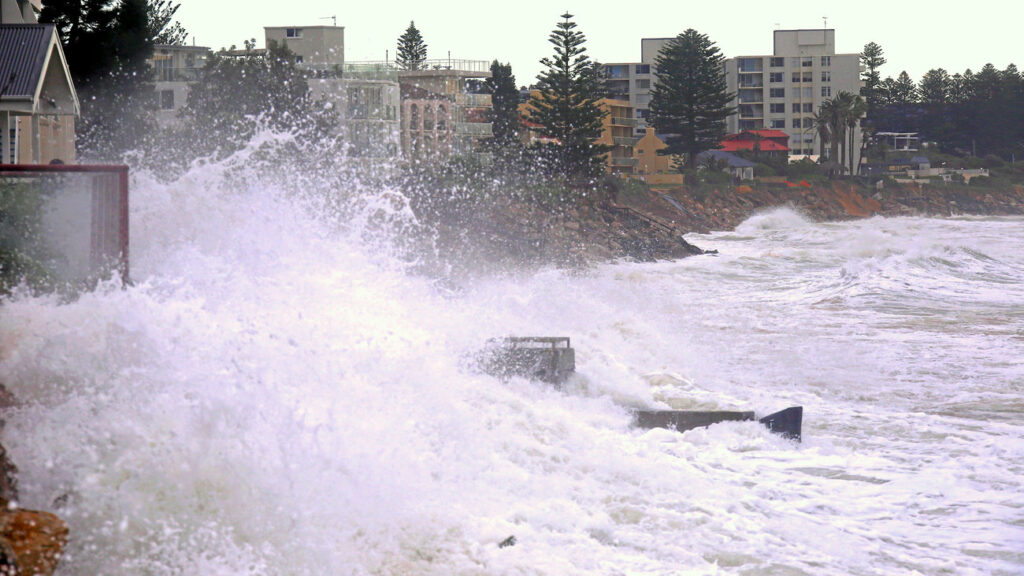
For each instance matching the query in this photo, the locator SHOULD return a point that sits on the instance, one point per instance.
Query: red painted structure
(770, 142)
(108, 187)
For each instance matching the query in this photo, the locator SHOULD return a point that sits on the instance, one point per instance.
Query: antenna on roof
(825, 19)
(334, 19)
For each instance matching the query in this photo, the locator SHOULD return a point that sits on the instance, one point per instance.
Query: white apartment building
(784, 90)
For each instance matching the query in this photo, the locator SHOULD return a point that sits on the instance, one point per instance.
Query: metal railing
(621, 121)
(624, 141)
(623, 161)
(425, 66)
(473, 128)
(192, 74)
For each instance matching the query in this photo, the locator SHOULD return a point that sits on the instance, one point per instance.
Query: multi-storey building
(633, 81)
(320, 48)
(617, 131)
(175, 69)
(444, 108)
(784, 90)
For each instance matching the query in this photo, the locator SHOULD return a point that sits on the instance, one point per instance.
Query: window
(796, 107)
(807, 93)
(777, 108)
(778, 62)
(776, 77)
(298, 59)
(808, 107)
(643, 84)
(806, 61)
(826, 91)
(618, 71)
(642, 69)
(777, 92)
(826, 76)
(167, 99)
(796, 77)
(642, 113)
(796, 123)
(778, 124)
(826, 61)
(293, 32)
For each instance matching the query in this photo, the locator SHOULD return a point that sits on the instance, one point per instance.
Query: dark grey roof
(23, 50)
(733, 160)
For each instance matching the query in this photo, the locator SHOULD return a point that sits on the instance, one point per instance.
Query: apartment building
(782, 91)
(175, 69)
(617, 131)
(445, 108)
(320, 48)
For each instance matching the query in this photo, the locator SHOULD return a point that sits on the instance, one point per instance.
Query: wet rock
(36, 540)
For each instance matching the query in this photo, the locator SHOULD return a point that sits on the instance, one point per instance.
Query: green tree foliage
(412, 51)
(567, 109)
(504, 113)
(935, 87)
(108, 43)
(690, 101)
(872, 58)
(837, 120)
(238, 95)
(22, 258)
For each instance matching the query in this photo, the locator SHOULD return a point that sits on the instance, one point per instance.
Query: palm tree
(858, 108)
(824, 129)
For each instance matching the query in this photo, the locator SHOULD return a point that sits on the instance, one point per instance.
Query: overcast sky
(916, 36)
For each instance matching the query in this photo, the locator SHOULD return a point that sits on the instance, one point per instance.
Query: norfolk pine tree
(690, 101)
(504, 113)
(567, 109)
(412, 52)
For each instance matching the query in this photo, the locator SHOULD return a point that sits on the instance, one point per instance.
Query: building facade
(784, 90)
(320, 48)
(175, 69)
(445, 108)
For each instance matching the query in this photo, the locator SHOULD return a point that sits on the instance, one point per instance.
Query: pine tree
(567, 109)
(504, 114)
(872, 59)
(412, 52)
(690, 100)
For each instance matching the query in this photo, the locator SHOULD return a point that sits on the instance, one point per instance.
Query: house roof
(733, 160)
(33, 69)
(761, 133)
(763, 145)
(23, 51)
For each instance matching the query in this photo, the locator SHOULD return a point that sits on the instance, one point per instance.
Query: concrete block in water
(545, 358)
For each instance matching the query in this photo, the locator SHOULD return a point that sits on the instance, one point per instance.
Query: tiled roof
(763, 145)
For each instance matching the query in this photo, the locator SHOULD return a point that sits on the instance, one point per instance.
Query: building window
(777, 108)
(808, 107)
(806, 61)
(776, 77)
(643, 84)
(642, 113)
(796, 107)
(796, 123)
(808, 122)
(807, 93)
(826, 91)
(167, 99)
(642, 69)
(298, 58)
(796, 77)
(618, 71)
(826, 76)
(777, 92)
(293, 32)
(778, 62)
(826, 61)
(778, 124)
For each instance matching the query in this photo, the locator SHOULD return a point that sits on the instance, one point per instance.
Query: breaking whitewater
(281, 392)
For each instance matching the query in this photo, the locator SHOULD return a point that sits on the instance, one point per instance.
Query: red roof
(763, 145)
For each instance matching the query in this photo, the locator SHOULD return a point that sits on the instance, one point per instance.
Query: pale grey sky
(916, 36)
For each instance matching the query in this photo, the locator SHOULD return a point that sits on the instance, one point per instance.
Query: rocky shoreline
(650, 225)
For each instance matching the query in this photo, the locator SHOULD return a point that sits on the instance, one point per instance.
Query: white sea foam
(277, 395)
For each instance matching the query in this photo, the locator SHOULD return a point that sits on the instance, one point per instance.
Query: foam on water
(277, 395)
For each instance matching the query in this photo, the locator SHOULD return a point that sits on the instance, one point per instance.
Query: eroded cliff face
(724, 210)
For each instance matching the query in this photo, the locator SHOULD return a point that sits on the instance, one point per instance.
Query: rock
(37, 540)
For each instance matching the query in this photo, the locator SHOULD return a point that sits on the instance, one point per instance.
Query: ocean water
(278, 394)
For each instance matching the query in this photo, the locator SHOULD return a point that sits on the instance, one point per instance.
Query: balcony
(621, 121)
(475, 100)
(624, 141)
(752, 97)
(623, 161)
(752, 82)
(482, 129)
(162, 74)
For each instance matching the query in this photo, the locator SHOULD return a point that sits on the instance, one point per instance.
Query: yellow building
(617, 132)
